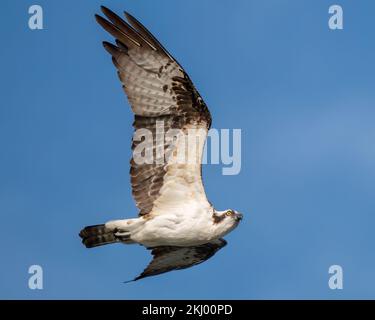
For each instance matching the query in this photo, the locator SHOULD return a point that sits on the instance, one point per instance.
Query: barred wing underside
(159, 91)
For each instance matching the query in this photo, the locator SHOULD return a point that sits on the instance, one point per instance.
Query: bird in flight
(176, 221)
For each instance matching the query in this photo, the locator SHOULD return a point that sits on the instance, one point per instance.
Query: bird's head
(227, 220)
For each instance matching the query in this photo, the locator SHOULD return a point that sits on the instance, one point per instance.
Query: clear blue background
(302, 94)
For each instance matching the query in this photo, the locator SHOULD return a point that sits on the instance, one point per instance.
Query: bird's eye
(229, 213)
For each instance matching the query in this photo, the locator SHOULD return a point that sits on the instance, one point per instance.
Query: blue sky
(302, 94)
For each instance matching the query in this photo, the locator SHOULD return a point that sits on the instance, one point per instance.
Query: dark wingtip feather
(103, 22)
(126, 28)
(146, 34)
(108, 12)
(128, 281)
(122, 45)
(114, 61)
(111, 48)
(115, 31)
(97, 18)
(103, 8)
(129, 16)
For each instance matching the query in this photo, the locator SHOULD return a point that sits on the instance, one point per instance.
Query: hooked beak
(238, 217)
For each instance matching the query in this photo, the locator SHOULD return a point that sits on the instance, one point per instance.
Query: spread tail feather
(97, 235)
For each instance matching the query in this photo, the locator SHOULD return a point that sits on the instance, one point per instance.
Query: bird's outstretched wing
(169, 258)
(162, 97)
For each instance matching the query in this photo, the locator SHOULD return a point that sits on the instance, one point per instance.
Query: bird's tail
(98, 235)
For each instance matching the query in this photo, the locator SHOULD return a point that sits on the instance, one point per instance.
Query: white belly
(166, 230)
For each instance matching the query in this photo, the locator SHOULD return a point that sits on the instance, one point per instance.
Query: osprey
(176, 221)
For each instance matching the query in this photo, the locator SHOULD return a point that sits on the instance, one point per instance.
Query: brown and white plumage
(173, 207)
(158, 89)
